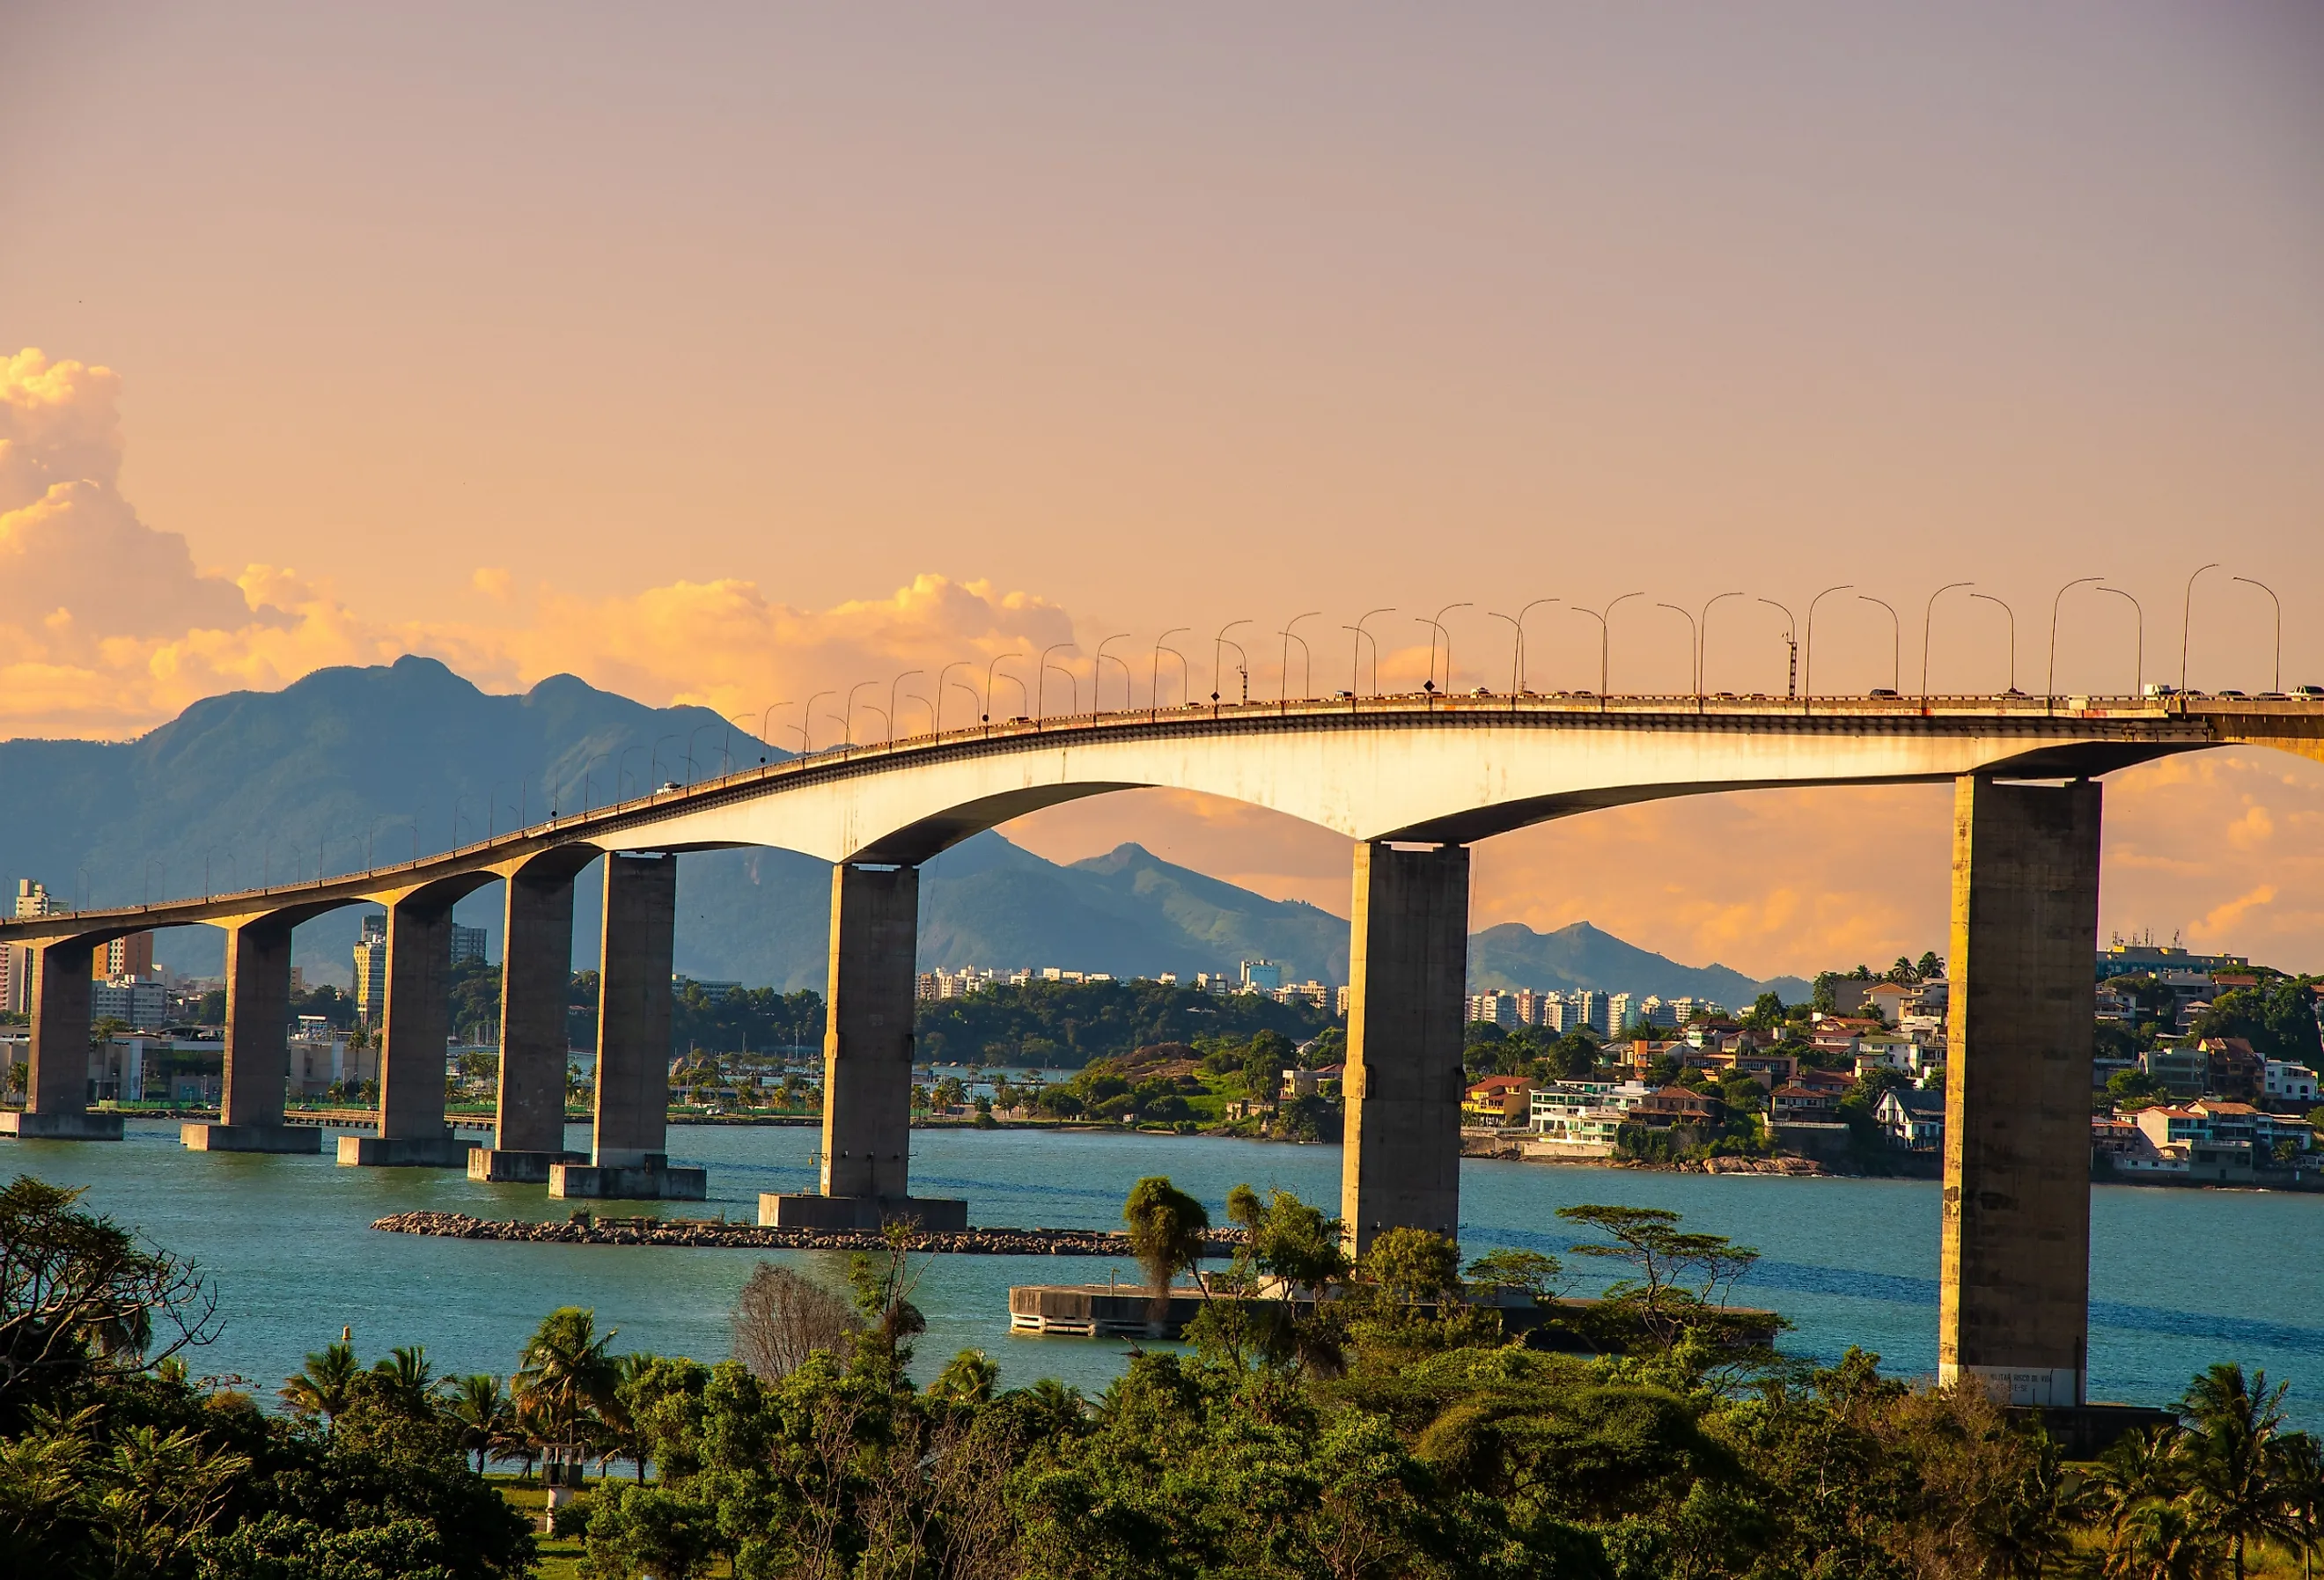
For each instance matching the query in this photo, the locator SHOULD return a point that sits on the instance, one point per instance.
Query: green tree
(2234, 1449)
(1674, 1272)
(1411, 1266)
(1167, 1231)
(325, 1385)
(478, 1407)
(565, 1378)
(1532, 1274)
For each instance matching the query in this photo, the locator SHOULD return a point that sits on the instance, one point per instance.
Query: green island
(1387, 1418)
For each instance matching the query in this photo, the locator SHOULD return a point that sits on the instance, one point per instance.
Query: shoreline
(718, 1234)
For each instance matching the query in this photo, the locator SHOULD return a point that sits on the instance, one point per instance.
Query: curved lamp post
(1041, 681)
(2050, 684)
(989, 669)
(807, 719)
(1516, 651)
(1154, 681)
(1807, 663)
(945, 682)
(2006, 609)
(2276, 685)
(2138, 674)
(1895, 641)
(2186, 615)
(1703, 651)
(1097, 675)
(1438, 628)
(1693, 648)
(1288, 634)
(847, 725)
(1219, 644)
(899, 680)
(1792, 645)
(1605, 639)
(1363, 636)
(1928, 615)
(1528, 609)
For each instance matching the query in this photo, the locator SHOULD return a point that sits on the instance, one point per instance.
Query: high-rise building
(1263, 975)
(33, 899)
(132, 955)
(371, 969)
(1589, 1009)
(1617, 1013)
(467, 945)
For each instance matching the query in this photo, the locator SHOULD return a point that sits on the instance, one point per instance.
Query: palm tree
(478, 1407)
(2300, 1478)
(2141, 1468)
(2234, 1452)
(324, 1386)
(406, 1378)
(568, 1378)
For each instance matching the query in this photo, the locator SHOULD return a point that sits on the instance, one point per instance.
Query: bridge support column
(536, 963)
(867, 1063)
(629, 1153)
(56, 1092)
(1407, 970)
(2014, 1312)
(411, 1129)
(257, 1047)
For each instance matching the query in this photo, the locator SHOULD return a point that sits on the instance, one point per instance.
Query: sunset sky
(722, 354)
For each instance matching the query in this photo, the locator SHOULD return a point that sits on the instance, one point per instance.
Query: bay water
(2180, 1279)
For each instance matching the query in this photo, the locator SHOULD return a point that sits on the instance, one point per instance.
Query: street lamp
(1097, 675)
(899, 680)
(1307, 670)
(2050, 685)
(989, 670)
(1928, 615)
(767, 723)
(2277, 685)
(1219, 644)
(1792, 644)
(1363, 636)
(1895, 642)
(653, 759)
(620, 772)
(1693, 649)
(2138, 674)
(847, 723)
(1437, 629)
(1807, 669)
(944, 681)
(1154, 681)
(1702, 652)
(2186, 614)
(1605, 643)
(1528, 609)
(1041, 682)
(1516, 651)
(693, 768)
(2006, 609)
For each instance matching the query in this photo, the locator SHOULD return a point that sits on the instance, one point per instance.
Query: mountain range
(356, 765)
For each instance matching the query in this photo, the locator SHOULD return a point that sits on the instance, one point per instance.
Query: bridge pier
(56, 1091)
(257, 1046)
(1407, 970)
(867, 1063)
(629, 1150)
(2014, 1310)
(536, 963)
(411, 1129)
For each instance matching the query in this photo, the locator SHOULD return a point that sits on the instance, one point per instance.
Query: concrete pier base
(506, 1166)
(2013, 1294)
(444, 1151)
(61, 1127)
(642, 1182)
(801, 1210)
(251, 1137)
(1407, 966)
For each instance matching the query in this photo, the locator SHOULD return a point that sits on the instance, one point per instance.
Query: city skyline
(818, 354)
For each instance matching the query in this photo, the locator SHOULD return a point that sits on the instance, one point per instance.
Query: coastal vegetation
(1326, 1418)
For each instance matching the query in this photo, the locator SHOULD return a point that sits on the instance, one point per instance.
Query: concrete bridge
(1414, 780)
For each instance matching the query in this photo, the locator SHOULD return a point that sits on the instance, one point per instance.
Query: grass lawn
(560, 1557)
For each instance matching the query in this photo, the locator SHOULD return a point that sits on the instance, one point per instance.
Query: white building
(2287, 1082)
(130, 1000)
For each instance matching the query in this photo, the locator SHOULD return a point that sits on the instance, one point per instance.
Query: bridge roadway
(1413, 780)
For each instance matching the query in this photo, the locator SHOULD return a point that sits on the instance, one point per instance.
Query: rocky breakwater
(716, 1233)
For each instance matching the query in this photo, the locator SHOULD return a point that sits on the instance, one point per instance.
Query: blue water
(2180, 1278)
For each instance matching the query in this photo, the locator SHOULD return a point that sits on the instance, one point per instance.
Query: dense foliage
(114, 1461)
(1065, 1024)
